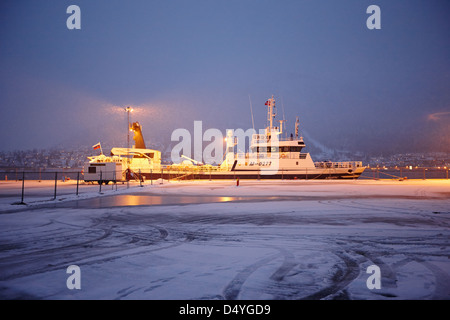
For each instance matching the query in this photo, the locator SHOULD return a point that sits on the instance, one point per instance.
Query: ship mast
(270, 112)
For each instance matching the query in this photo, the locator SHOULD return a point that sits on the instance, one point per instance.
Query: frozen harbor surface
(260, 240)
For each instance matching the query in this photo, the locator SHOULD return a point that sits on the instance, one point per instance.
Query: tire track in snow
(442, 291)
(288, 264)
(341, 279)
(232, 290)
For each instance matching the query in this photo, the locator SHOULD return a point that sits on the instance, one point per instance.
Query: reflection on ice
(125, 200)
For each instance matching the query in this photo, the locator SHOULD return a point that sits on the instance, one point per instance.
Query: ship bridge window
(290, 149)
(295, 149)
(264, 149)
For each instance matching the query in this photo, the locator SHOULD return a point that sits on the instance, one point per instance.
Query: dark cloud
(181, 61)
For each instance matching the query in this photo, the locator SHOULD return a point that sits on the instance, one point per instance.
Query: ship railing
(255, 156)
(191, 169)
(262, 138)
(274, 155)
(335, 165)
(241, 156)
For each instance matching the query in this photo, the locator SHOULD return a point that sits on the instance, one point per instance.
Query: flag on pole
(97, 146)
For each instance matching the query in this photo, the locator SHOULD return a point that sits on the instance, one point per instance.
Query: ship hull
(256, 175)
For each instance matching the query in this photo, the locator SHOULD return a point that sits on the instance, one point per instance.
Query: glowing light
(438, 115)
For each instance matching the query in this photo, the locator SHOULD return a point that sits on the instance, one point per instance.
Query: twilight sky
(377, 91)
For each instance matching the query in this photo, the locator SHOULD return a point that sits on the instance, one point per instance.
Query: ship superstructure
(271, 154)
(134, 162)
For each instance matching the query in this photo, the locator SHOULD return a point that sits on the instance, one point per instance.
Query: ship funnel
(138, 138)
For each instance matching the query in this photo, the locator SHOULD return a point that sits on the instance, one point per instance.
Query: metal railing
(343, 164)
(64, 182)
(404, 173)
(44, 185)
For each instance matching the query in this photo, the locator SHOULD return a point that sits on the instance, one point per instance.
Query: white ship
(272, 156)
(269, 156)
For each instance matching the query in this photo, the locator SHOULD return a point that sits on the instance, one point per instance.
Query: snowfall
(212, 240)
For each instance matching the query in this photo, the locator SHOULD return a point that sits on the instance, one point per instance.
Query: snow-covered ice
(259, 240)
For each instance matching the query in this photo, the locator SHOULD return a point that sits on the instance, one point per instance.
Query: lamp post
(128, 110)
